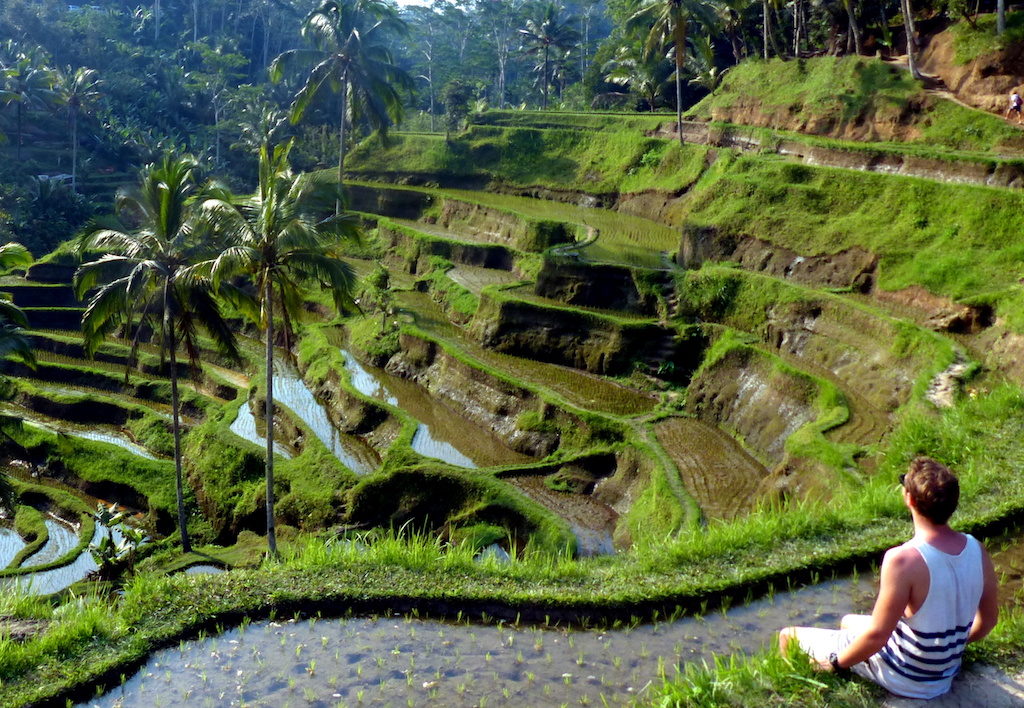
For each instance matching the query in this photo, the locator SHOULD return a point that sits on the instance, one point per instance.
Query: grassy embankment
(826, 95)
(980, 437)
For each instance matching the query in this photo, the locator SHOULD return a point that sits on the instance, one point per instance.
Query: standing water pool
(404, 661)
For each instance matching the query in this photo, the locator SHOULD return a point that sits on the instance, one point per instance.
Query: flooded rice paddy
(47, 582)
(590, 521)
(244, 426)
(291, 391)
(62, 540)
(403, 661)
(10, 545)
(722, 476)
(441, 433)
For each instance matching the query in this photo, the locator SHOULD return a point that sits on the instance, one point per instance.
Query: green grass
(954, 240)
(30, 524)
(970, 43)
(827, 94)
(616, 157)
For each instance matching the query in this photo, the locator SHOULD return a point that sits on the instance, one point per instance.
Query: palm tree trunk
(341, 141)
(680, 39)
(908, 27)
(767, 22)
(156, 21)
(74, 151)
(19, 130)
(544, 80)
(179, 485)
(1000, 16)
(271, 529)
(854, 30)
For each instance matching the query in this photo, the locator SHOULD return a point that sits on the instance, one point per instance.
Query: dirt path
(980, 685)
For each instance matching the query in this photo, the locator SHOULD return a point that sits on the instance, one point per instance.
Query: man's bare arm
(988, 609)
(893, 597)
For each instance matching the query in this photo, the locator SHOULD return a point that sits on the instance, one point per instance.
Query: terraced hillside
(702, 363)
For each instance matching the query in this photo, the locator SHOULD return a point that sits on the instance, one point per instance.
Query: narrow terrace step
(577, 388)
(66, 318)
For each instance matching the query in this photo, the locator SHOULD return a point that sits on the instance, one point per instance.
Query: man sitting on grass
(937, 593)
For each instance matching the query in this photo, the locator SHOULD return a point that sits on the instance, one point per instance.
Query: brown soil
(985, 82)
(852, 268)
(937, 312)
(717, 472)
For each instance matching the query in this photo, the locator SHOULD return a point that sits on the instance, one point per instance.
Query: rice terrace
(505, 353)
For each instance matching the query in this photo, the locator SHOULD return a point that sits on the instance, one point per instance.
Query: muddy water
(716, 470)
(290, 390)
(95, 433)
(400, 661)
(244, 427)
(63, 539)
(442, 433)
(592, 522)
(10, 544)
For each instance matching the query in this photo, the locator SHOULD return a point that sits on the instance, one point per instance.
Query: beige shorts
(820, 643)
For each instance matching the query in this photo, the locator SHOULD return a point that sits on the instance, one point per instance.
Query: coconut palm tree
(28, 84)
(350, 56)
(77, 89)
(668, 22)
(640, 72)
(13, 342)
(150, 279)
(546, 34)
(281, 244)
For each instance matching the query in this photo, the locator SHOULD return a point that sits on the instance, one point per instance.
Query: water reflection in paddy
(399, 661)
(590, 521)
(62, 540)
(441, 434)
(10, 545)
(290, 390)
(244, 426)
(47, 582)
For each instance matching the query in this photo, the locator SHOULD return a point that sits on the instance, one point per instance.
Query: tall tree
(78, 89)
(281, 244)
(545, 34)
(908, 28)
(13, 342)
(502, 20)
(637, 70)
(351, 56)
(669, 22)
(151, 279)
(28, 84)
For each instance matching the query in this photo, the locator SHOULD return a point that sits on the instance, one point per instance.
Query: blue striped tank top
(924, 652)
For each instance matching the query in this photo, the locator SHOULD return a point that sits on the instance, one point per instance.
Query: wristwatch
(833, 659)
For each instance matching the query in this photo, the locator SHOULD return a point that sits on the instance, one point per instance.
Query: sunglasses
(903, 477)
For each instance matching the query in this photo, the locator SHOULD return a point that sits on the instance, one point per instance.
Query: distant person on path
(937, 593)
(1015, 105)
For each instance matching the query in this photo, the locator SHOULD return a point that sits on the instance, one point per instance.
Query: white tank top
(924, 652)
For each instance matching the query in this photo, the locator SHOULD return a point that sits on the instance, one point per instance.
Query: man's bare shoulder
(902, 559)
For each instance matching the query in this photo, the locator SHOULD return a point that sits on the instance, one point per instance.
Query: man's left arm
(893, 597)
(988, 607)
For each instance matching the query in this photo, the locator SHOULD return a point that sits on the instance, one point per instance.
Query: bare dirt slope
(985, 82)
